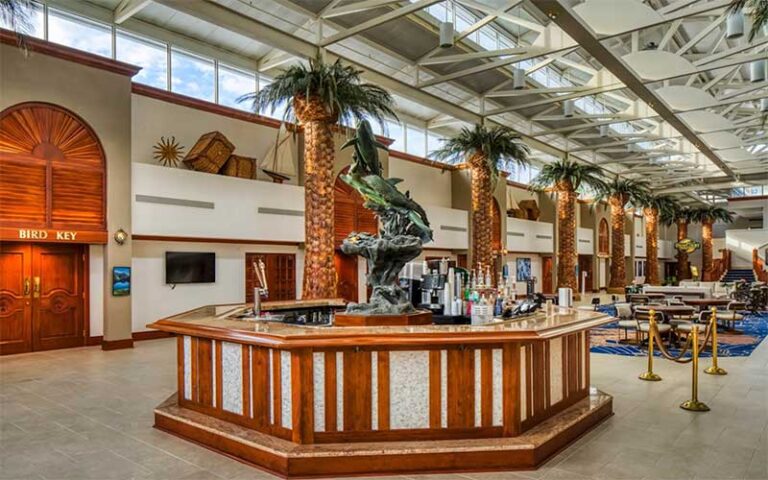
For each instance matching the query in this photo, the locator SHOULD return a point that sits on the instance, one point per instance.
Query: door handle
(36, 291)
(27, 287)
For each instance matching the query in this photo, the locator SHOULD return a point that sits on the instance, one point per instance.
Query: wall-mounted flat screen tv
(190, 267)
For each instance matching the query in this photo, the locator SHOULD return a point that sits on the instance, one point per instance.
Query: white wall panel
(529, 236)
(585, 243)
(176, 202)
(449, 226)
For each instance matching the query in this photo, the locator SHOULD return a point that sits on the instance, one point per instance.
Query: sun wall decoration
(168, 151)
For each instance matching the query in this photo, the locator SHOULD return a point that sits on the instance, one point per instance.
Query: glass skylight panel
(151, 56)
(395, 132)
(434, 142)
(416, 141)
(234, 83)
(79, 33)
(439, 11)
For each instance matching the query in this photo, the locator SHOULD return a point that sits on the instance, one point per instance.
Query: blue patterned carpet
(753, 329)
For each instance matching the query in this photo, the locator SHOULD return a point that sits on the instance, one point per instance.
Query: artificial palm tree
(682, 217)
(758, 12)
(565, 177)
(319, 96)
(655, 208)
(706, 216)
(619, 192)
(486, 150)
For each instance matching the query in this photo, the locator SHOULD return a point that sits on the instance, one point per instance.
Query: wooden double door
(42, 296)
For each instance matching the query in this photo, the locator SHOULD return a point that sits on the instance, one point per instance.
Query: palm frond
(629, 189)
(569, 172)
(500, 146)
(666, 205)
(338, 87)
(710, 213)
(16, 14)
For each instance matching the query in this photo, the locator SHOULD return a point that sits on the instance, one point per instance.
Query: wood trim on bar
(302, 397)
(243, 241)
(435, 401)
(70, 54)
(331, 418)
(382, 385)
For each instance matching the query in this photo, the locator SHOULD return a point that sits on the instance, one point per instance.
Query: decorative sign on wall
(121, 281)
(687, 245)
(51, 235)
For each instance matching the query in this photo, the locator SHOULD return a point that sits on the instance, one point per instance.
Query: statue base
(347, 319)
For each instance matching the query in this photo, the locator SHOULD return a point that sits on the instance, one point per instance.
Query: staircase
(735, 275)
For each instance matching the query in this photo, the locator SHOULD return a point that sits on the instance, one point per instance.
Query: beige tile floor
(87, 414)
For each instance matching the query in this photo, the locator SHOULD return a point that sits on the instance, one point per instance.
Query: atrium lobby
(396, 239)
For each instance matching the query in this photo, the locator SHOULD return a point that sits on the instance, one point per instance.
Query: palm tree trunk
(566, 237)
(683, 270)
(482, 215)
(319, 153)
(652, 245)
(618, 271)
(707, 270)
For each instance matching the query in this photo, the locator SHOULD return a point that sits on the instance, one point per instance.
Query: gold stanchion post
(649, 375)
(714, 369)
(694, 405)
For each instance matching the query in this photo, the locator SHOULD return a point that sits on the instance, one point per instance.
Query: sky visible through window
(150, 56)
(192, 76)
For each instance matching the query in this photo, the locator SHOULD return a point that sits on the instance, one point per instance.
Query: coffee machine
(432, 286)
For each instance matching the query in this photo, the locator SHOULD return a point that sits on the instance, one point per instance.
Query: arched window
(602, 238)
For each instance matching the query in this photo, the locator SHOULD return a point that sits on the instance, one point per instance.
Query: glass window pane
(192, 75)
(487, 38)
(434, 142)
(150, 56)
(395, 132)
(416, 143)
(79, 33)
(233, 84)
(35, 26)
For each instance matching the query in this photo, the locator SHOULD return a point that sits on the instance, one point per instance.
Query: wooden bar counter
(306, 401)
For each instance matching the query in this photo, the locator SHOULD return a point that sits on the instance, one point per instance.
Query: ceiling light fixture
(518, 79)
(757, 71)
(568, 108)
(734, 25)
(446, 34)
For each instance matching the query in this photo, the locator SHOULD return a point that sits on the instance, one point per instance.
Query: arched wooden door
(349, 216)
(52, 190)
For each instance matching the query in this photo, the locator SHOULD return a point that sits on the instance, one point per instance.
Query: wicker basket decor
(239, 166)
(210, 153)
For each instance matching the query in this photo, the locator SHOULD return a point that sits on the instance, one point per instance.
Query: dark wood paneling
(461, 388)
(511, 388)
(486, 389)
(382, 380)
(331, 419)
(281, 275)
(15, 298)
(435, 393)
(357, 390)
(302, 396)
(261, 390)
(346, 273)
(204, 381)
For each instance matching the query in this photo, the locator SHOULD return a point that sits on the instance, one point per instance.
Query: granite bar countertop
(219, 322)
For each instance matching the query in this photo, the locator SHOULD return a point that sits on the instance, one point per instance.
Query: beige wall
(103, 99)
(428, 185)
(154, 118)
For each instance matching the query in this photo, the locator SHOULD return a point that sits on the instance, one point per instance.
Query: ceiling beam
(376, 21)
(356, 7)
(128, 8)
(250, 27)
(573, 26)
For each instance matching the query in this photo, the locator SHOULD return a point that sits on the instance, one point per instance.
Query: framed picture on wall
(121, 281)
(523, 269)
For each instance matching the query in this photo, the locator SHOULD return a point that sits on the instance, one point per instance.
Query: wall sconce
(120, 236)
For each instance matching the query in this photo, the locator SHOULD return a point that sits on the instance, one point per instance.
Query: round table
(702, 303)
